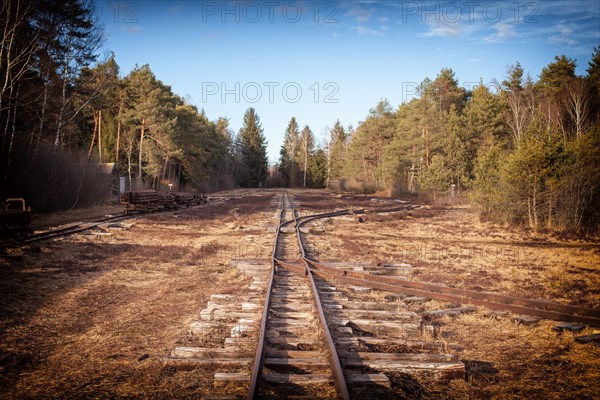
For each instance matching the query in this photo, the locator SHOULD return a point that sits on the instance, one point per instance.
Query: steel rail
(37, 237)
(544, 309)
(545, 306)
(551, 315)
(259, 356)
(334, 361)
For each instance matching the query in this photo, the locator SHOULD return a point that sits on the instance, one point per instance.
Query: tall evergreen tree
(253, 151)
(307, 147)
(318, 168)
(288, 155)
(338, 139)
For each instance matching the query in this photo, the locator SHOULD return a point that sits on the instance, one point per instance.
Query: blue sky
(325, 60)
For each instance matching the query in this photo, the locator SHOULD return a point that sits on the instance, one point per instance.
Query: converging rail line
(293, 319)
(351, 317)
(310, 341)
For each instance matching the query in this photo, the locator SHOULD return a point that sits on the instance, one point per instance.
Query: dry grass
(94, 316)
(504, 359)
(39, 221)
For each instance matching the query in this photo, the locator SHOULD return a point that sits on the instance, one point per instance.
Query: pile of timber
(142, 200)
(151, 200)
(183, 198)
(140, 197)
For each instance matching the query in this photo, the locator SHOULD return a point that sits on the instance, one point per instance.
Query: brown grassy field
(93, 316)
(504, 359)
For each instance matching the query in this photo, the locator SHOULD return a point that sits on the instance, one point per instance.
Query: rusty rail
(543, 309)
(336, 368)
(334, 362)
(259, 356)
(36, 237)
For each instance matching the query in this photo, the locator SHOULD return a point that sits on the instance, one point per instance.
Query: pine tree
(557, 73)
(253, 151)
(288, 167)
(594, 79)
(318, 168)
(307, 145)
(337, 151)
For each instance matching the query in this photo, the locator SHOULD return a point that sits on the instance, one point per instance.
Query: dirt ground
(93, 316)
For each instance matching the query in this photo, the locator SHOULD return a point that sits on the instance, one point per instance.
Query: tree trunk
(100, 136)
(305, 164)
(529, 212)
(534, 205)
(43, 115)
(118, 136)
(426, 146)
(129, 172)
(93, 134)
(142, 132)
(13, 130)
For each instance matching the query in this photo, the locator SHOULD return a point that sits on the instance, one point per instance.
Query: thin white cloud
(360, 14)
(503, 32)
(363, 30)
(443, 28)
(564, 36)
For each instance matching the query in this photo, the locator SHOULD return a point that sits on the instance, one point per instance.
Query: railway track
(81, 226)
(332, 332)
(295, 355)
(316, 340)
(344, 314)
(539, 308)
(73, 228)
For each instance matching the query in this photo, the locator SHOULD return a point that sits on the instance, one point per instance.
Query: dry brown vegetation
(93, 316)
(504, 359)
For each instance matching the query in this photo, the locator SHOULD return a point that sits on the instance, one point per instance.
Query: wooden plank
(194, 362)
(595, 338)
(208, 352)
(374, 305)
(364, 379)
(278, 361)
(291, 321)
(526, 319)
(568, 326)
(407, 319)
(407, 366)
(411, 344)
(227, 314)
(451, 312)
(374, 313)
(299, 379)
(420, 357)
(223, 378)
(271, 352)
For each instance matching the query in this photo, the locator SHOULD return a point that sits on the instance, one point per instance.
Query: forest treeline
(525, 152)
(66, 114)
